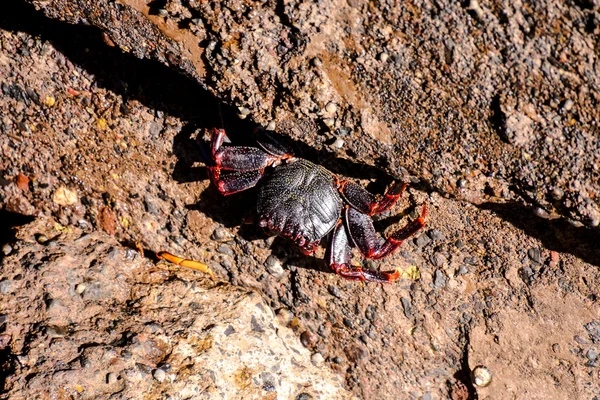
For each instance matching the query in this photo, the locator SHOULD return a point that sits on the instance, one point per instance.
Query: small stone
(462, 270)
(481, 376)
(435, 234)
(5, 286)
(111, 378)
(80, 288)
(41, 238)
(225, 249)
(163, 13)
(593, 329)
(65, 197)
(383, 57)
(212, 45)
(407, 305)
(540, 212)
(273, 266)
(317, 359)
(535, 255)
(568, 105)
(557, 193)
(221, 234)
(7, 249)
(308, 339)
(348, 323)
(461, 183)
(438, 259)
(159, 374)
(592, 355)
(334, 291)
(271, 126)
(317, 62)
(285, 316)
(304, 396)
(329, 122)
(422, 240)
(331, 108)
(439, 280)
(151, 205)
(338, 144)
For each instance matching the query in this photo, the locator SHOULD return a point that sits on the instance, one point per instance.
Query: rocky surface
(90, 319)
(100, 129)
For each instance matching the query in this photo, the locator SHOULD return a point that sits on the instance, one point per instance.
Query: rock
(65, 197)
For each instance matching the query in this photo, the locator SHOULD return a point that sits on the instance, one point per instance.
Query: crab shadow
(557, 234)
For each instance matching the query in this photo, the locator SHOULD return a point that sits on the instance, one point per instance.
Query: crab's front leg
(339, 260)
(364, 201)
(364, 236)
(245, 165)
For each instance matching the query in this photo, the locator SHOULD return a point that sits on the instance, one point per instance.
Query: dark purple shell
(300, 200)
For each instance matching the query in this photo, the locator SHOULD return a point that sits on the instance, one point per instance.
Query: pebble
(304, 396)
(317, 62)
(159, 374)
(535, 255)
(308, 339)
(348, 323)
(435, 234)
(151, 206)
(339, 143)
(593, 329)
(7, 249)
(462, 183)
(438, 259)
(221, 234)
(540, 212)
(163, 13)
(481, 376)
(271, 126)
(41, 238)
(422, 240)
(462, 270)
(5, 286)
(568, 105)
(285, 316)
(557, 194)
(111, 378)
(334, 291)
(80, 288)
(383, 57)
(329, 122)
(592, 355)
(407, 305)
(273, 266)
(225, 249)
(439, 280)
(317, 359)
(331, 108)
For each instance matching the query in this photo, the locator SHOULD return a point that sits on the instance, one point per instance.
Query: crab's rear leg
(339, 260)
(365, 202)
(364, 236)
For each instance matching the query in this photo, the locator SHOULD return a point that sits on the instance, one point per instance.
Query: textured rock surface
(91, 319)
(504, 94)
(105, 143)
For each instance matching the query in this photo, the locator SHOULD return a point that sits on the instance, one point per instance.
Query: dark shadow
(557, 234)
(8, 223)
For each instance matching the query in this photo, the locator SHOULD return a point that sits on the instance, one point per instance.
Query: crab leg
(246, 163)
(339, 260)
(366, 202)
(364, 236)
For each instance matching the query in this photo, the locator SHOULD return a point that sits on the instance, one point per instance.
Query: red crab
(304, 202)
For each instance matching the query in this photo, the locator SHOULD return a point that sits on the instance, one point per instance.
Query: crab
(305, 203)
